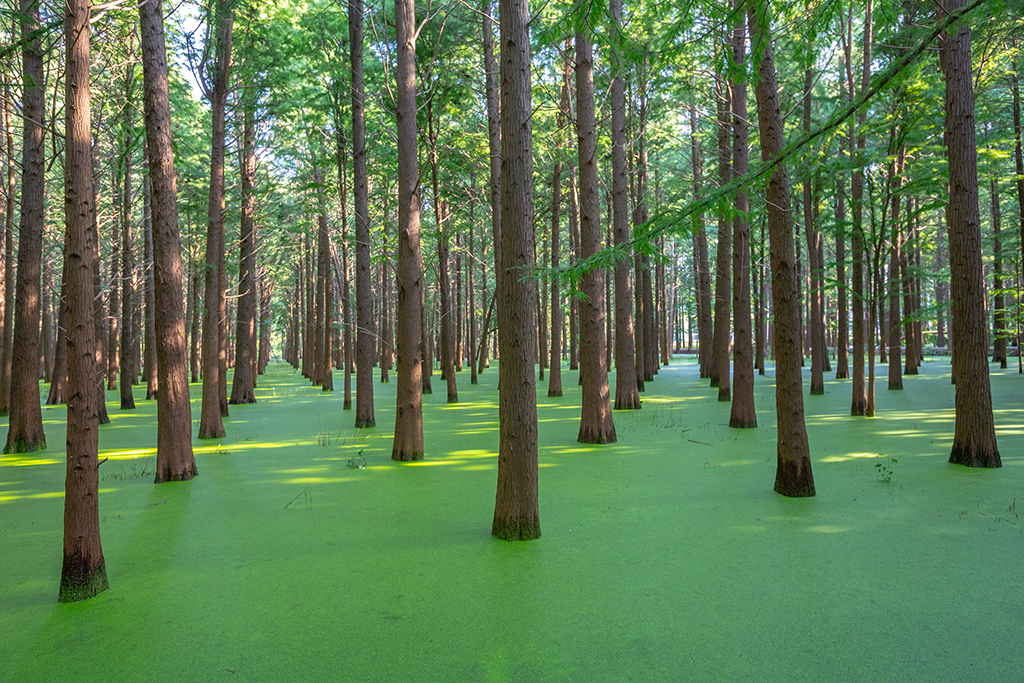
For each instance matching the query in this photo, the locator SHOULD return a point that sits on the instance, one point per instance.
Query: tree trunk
(211, 426)
(493, 141)
(1018, 157)
(148, 291)
(596, 425)
(720, 344)
(574, 255)
(174, 458)
(816, 318)
(7, 350)
(408, 442)
(325, 269)
(59, 378)
(516, 512)
(243, 386)
(700, 256)
(793, 475)
(974, 439)
(627, 396)
(444, 284)
(859, 401)
(894, 284)
(999, 330)
(25, 427)
(84, 572)
(742, 413)
(555, 375)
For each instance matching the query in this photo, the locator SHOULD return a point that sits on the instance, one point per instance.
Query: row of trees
(295, 91)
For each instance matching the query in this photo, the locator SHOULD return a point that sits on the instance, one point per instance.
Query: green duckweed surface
(664, 557)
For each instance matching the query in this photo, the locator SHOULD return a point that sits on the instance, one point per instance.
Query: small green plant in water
(884, 469)
(359, 461)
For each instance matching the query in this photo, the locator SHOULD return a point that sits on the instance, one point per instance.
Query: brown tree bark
(114, 297)
(700, 256)
(148, 291)
(493, 140)
(793, 475)
(243, 386)
(1018, 157)
(84, 572)
(999, 327)
(596, 424)
(129, 345)
(211, 425)
(974, 438)
(7, 349)
(816, 318)
(58, 393)
(895, 284)
(444, 283)
(722, 331)
(574, 254)
(98, 318)
(25, 427)
(346, 289)
(325, 270)
(743, 414)
(365, 328)
(516, 511)
(408, 442)
(859, 400)
(557, 323)
(627, 395)
(174, 458)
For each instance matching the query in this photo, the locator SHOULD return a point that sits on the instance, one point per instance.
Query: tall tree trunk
(84, 572)
(149, 331)
(720, 344)
(816, 319)
(25, 427)
(59, 378)
(859, 401)
(243, 386)
(627, 396)
(974, 439)
(999, 330)
(742, 413)
(793, 475)
(596, 425)
(894, 284)
(98, 318)
(700, 256)
(7, 349)
(1018, 157)
(471, 292)
(174, 458)
(516, 512)
(408, 442)
(129, 334)
(325, 270)
(211, 426)
(114, 297)
(365, 328)
(574, 255)
(493, 141)
(444, 284)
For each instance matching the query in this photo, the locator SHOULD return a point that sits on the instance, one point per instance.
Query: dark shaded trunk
(59, 378)
(444, 284)
(243, 385)
(555, 374)
(174, 457)
(84, 572)
(816, 319)
(793, 475)
(974, 438)
(129, 334)
(149, 332)
(720, 343)
(408, 442)
(25, 427)
(742, 413)
(999, 328)
(7, 349)
(895, 285)
(859, 400)
(702, 276)
(596, 425)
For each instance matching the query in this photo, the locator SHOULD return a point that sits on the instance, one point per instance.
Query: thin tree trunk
(243, 386)
(700, 256)
(7, 349)
(999, 331)
(149, 331)
(816, 318)
(555, 375)
(59, 378)
(859, 402)
(895, 286)
(720, 344)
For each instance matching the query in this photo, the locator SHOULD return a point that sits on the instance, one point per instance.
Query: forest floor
(664, 557)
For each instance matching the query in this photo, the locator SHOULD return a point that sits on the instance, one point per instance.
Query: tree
(174, 458)
(243, 386)
(7, 350)
(627, 395)
(720, 343)
(215, 87)
(84, 572)
(516, 513)
(859, 400)
(364, 293)
(793, 475)
(974, 438)
(408, 443)
(596, 425)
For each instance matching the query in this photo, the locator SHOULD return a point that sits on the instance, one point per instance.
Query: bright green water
(665, 557)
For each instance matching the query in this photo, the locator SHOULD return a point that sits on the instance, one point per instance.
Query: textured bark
(627, 395)
(720, 343)
(174, 458)
(574, 254)
(25, 427)
(493, 141)
(84, 573)
(325, 360)
(700, 257)
(895, 285)
(211, 426)
(843, 310)
(98, 318)
(793, 475)
(7, 349)
(555, 375)
(743, 414)
(974, 438)
(408, 442)
(114, 298)
(1018, 158)
(444, 283)
(999, 327)
(516, 512)
(346, 289)
(243, 386)
(59, 378)
(596, 425)
(149, 331)
(816, 319)
(859, 400)
(365, 328)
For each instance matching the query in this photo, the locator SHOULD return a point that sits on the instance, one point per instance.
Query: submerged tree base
(596, 436)
(630, 403)
(975, 457)
(80, 580)
(26, 445)
(516, 528)
(366, 423)
(743, 423)
(402, 456)
(165, 475)
(793, 478)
